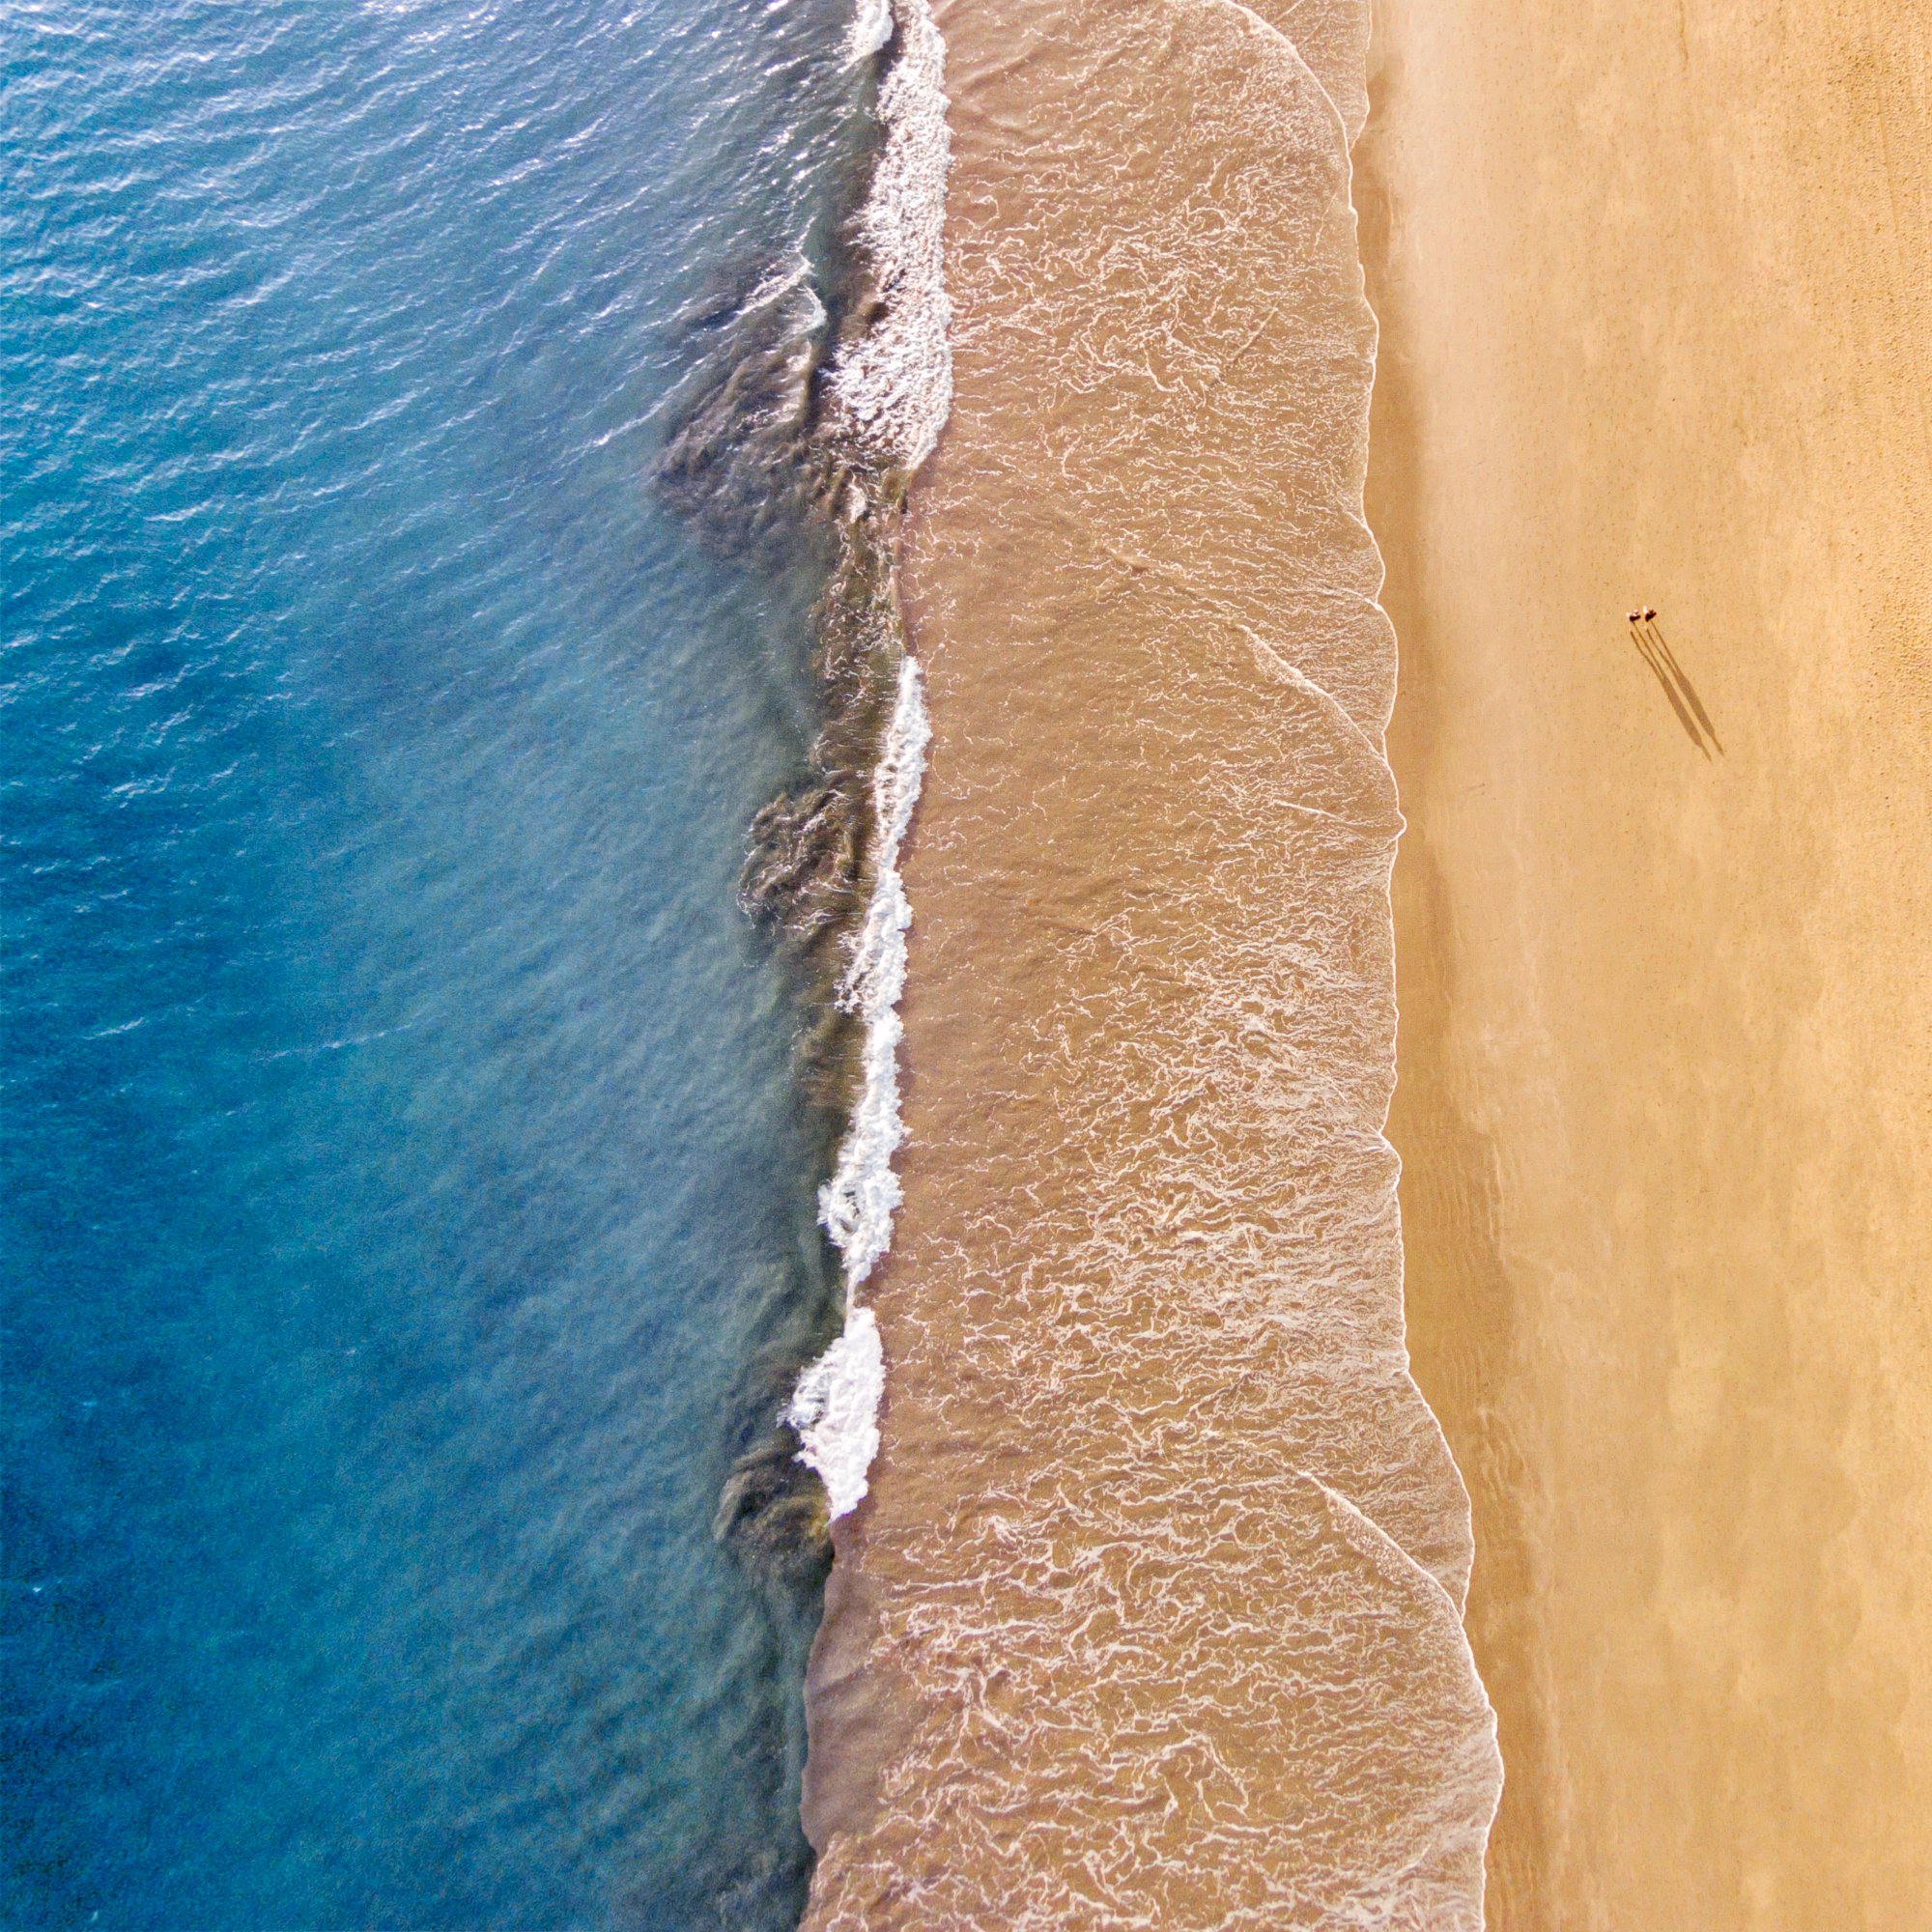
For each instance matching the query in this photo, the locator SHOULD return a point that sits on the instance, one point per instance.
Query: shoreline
(823, 428)
(890, 390)
(1149, 1228)
(1665, 1086)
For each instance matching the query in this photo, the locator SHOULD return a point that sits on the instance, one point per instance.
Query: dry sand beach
(1154, 1615)
(1657, 328)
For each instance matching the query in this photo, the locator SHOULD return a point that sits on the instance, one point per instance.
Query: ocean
(410, 1200)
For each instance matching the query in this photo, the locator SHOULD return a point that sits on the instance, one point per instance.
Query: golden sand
(1653, 279)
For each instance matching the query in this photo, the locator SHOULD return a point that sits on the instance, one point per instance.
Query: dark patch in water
(772, 1510)
(801, 875)
(743, 461)
(759, 462)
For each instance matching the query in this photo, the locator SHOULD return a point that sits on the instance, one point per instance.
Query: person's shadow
(1657, 653)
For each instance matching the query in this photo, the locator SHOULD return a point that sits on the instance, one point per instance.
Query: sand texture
(1653, 280)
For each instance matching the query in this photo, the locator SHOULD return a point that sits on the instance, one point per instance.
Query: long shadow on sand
(1657, 653)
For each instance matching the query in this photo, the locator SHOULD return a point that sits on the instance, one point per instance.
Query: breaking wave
(897, 379)
(858, 1203)
(835, 1410)
(894, 387)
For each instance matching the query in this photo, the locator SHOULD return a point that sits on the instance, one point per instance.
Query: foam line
(895, 387)
(895, 383)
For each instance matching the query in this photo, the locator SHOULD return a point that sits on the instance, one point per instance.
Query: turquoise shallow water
(408, 1206)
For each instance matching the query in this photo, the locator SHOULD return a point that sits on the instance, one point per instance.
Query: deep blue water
(402, 1158)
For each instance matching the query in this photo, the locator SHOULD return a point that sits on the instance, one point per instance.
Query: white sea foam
(871, 29)
(791, 286)
(894, 387)
(857, 1204)
(895, 383)
(835, 1411)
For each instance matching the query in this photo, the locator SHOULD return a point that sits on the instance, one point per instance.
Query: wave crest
(893, 391)
(895, 381)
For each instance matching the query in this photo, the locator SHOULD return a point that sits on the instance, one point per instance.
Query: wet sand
(1657, 330)
(1153, 1615)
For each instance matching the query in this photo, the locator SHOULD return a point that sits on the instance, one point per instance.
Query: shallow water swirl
(1153, 1616)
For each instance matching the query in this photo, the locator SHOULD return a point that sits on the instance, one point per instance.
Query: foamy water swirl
(834, 1409)
(895, 383)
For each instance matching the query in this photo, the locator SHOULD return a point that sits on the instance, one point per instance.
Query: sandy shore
(1653, 279)
(1151, 1616)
